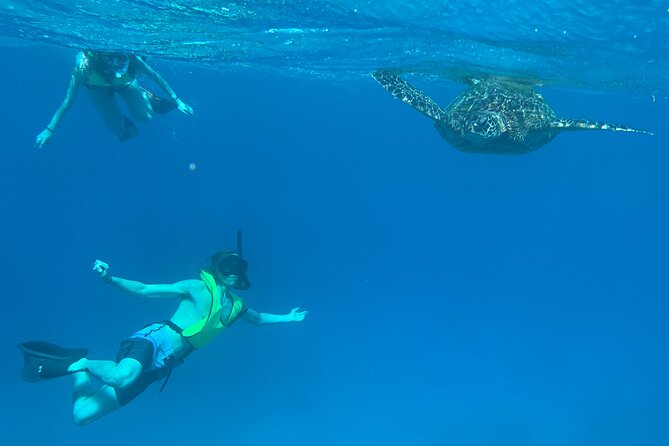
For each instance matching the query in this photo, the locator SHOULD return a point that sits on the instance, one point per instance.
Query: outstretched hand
(296, 315)
(184, 108)
(43, 138)
(102, 269)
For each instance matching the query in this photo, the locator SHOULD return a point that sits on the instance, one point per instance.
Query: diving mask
(118, 63)
(232, 264)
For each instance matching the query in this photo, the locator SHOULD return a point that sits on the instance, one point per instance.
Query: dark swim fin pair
(43, 360)
(160, 105)
(130, 131)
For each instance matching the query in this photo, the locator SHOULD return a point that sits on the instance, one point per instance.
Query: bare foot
(79, 366)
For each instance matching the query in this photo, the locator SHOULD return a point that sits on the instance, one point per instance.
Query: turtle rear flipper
(407, 93)
(582, 124)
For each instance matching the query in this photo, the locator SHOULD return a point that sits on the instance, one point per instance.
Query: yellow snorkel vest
(206, 329)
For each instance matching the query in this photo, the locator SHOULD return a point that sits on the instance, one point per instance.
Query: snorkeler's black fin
(43, 360)
(130, 131)
(160, 105)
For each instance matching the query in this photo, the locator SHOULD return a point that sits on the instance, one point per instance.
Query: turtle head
(482, 127)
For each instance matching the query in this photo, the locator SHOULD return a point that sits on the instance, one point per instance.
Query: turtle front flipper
(582, 124)
(407, 93)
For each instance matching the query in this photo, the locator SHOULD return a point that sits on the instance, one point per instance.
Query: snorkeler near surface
(207, 306)
(106, 75)
(492, 116)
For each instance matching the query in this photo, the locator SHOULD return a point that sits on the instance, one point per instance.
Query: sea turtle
(492, 116)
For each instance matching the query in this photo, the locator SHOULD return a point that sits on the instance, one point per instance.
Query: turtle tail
(407, 93)
(582, 124)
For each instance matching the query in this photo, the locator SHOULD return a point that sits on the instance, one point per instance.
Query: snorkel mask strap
(246, 284)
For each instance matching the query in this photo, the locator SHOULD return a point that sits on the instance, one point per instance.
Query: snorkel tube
(239, 243)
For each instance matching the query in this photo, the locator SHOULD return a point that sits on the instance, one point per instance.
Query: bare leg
(91, 404)
(105, 103)
(138, 102)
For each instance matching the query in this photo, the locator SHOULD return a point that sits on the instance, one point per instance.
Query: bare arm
(179, 289)
(256, 318)
(162, 83)
(76, 81)
(157, 78)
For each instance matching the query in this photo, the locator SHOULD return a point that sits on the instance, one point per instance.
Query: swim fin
(130, 131)
(160, 105)
(43, 360)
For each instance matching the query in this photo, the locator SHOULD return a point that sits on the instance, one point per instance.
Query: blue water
(453, 298)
